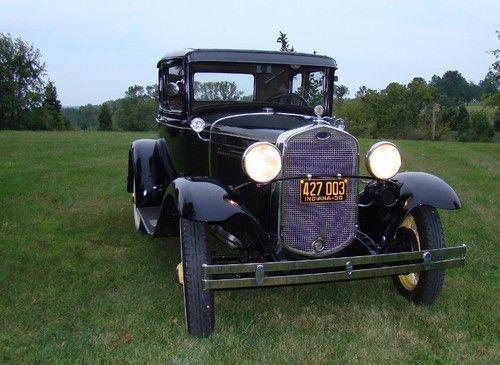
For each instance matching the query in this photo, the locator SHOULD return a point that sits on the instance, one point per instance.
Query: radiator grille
(334, 223)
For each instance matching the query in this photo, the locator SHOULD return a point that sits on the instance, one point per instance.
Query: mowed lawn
(79, 285)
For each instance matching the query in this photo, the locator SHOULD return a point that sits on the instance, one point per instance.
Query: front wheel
(422, 231)
(135, 211)
(198, 302)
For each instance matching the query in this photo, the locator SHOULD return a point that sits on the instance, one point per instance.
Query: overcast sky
(95, 49)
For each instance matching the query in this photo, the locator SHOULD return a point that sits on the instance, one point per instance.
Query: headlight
(262, 162)
(383, 160)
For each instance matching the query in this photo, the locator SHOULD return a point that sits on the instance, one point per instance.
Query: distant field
(79, 285)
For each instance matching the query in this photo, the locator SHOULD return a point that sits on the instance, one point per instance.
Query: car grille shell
(334, 223)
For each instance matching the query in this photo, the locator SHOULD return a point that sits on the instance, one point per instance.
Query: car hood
(258, 126)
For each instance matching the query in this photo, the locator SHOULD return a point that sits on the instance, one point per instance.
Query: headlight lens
(383, 160)
(262, 162)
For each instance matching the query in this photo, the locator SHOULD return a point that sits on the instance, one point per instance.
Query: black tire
(135, 212)
(428, 235)
(198, 303)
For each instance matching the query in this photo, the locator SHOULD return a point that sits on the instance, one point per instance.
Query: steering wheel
(288, 98)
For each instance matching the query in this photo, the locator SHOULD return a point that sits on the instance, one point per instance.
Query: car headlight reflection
(383, 160)
(262, 162)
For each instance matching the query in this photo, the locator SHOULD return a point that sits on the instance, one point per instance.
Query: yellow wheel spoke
(410, 280)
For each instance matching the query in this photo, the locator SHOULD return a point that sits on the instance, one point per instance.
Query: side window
(172, 74)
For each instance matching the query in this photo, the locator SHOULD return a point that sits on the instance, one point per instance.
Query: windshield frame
(238, 67)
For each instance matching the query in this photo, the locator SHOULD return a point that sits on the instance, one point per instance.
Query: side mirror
(172, 89)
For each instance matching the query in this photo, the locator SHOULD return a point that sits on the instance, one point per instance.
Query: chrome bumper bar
(333, 269)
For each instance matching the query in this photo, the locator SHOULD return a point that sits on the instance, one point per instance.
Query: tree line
(134, 112)
(418, 110)
(436, 109)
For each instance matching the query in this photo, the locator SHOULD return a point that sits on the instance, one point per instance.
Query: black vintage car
(263, 186)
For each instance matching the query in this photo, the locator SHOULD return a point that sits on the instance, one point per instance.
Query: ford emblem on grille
(318, 245)
(323, 135)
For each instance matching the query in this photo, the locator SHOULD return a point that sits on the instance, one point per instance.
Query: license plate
(323, 190)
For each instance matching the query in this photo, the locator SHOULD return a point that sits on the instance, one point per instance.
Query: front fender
(420, 188)
(416, 189)
(205, 200)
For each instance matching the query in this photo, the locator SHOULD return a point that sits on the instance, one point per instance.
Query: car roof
(250, 56)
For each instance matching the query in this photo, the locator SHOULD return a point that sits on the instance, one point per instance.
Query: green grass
(79, 285)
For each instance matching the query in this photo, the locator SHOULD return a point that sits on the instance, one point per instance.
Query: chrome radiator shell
(335, 223)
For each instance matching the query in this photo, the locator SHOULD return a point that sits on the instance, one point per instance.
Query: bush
(480, 129)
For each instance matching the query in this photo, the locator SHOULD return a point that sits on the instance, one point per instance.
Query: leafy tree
(463, 119)
(482, 129)
(21, 83)
(495, 67)
(362, 91)
(134, 115)
(88, 116)
(453, 87)
(340, 91)
(136, 111)
(490, 84)
(283, 40)
(50, 113)
(135, 92)
(219, 90)
(104, 122)
(448, 116)
(479, 130)
(152, 92)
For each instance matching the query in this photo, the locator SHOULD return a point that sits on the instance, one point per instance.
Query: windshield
(216, 83)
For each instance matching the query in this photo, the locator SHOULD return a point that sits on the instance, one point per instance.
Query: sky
(95, 49)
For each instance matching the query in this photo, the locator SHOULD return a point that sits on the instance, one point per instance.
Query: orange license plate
(323, 190)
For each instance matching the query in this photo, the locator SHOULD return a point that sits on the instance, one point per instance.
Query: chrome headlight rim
(249, 150)
(370, 153)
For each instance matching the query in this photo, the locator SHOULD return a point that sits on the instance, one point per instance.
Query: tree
(136, 111)
(135, 92)
(495, 67)
(482, 130)
(50, 112)
(152, 92)
(21, 83)
(88, 116)
(362, 91)
(283, 40)
(453, 87)
(219, 90)
(104, 122)
(463, 124)
(339, 92)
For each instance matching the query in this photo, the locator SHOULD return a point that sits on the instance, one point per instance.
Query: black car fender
(150, 164)
(415, 189)
(204, 200)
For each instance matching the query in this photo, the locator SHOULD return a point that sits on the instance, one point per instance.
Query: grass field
(79, 285)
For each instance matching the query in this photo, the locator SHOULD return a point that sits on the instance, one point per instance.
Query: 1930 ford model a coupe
(264, 190)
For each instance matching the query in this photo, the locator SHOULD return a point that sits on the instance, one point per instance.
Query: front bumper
(333, 269)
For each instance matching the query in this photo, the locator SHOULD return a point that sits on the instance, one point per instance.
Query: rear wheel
(422, 231)
(198, 303)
